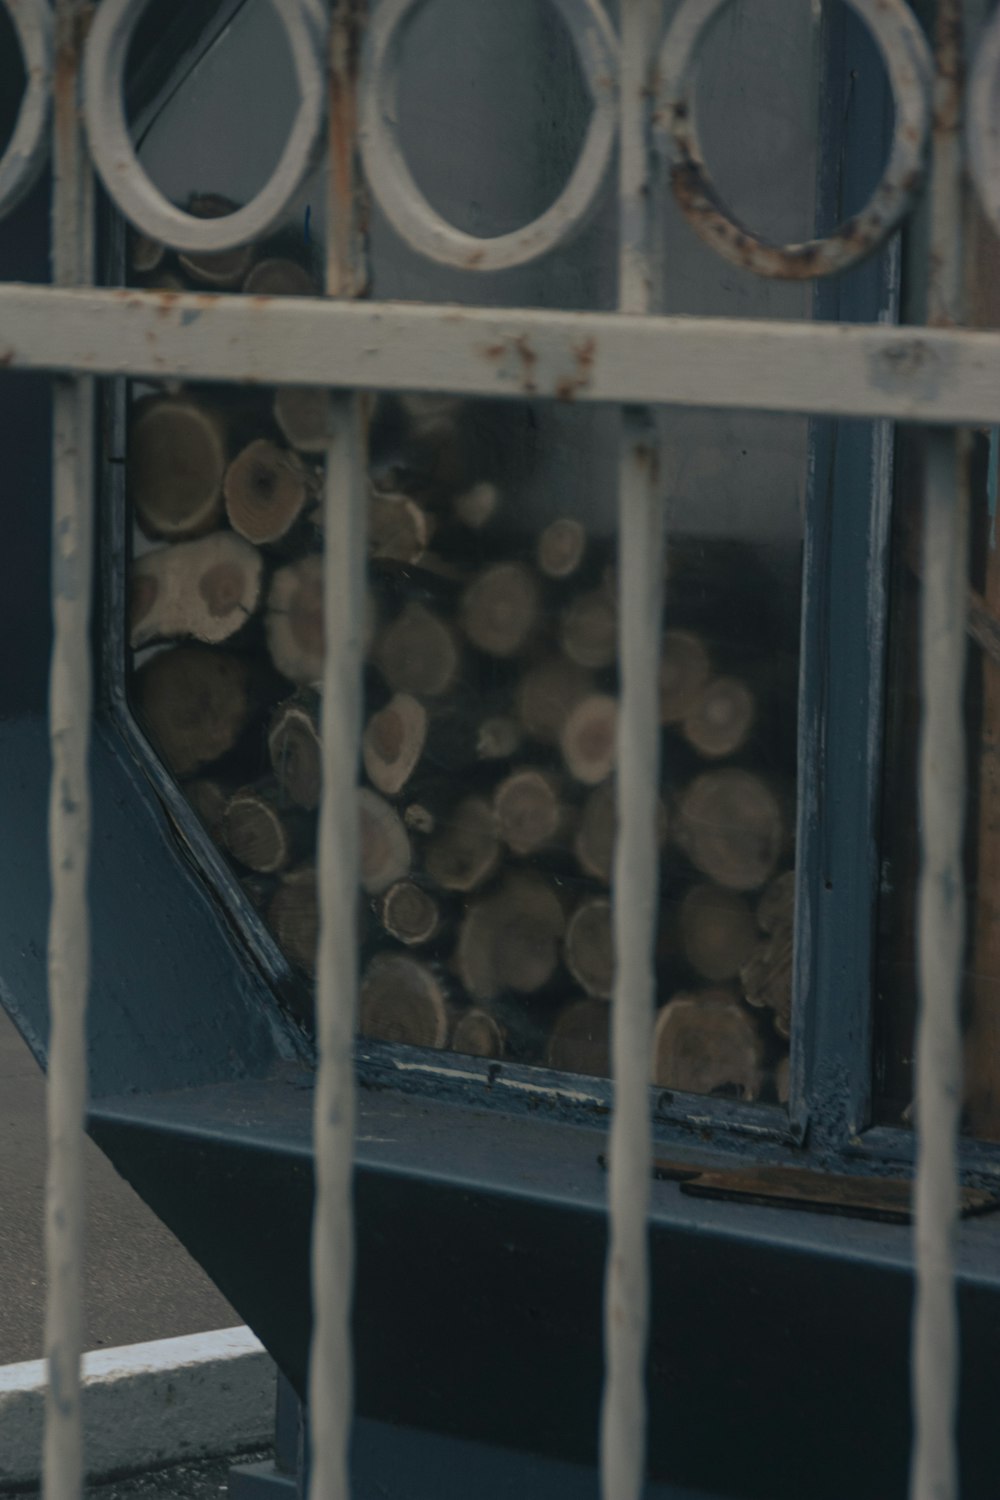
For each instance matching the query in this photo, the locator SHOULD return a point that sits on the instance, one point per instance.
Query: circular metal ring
(120, 170)
(907, 61)
(28, 146)
(983, 123)
(392, 181)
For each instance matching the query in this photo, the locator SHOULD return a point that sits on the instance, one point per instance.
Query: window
(487, 796)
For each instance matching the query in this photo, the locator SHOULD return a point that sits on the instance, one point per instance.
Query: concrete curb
(146, 1405)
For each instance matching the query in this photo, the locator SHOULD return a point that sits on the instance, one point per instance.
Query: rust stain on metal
(849, 243)
(520, 346)
(567, 387)
(944, 297)
(529, 361)
(348, 202)
(64, 76)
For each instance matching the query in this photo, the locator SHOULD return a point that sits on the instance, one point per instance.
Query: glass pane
(487, 802)
(487, 796)
(895, 1016)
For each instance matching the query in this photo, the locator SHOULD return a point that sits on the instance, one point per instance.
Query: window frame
(843, 664)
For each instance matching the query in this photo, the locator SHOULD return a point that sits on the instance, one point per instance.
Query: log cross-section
(708, 1044)
(402, 1000)
(509, 940)
(176, 462)
(205, 590)
(393, 743)
(266, 490)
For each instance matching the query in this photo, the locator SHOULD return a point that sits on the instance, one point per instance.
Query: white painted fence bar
(937, 375)
(331, 1375)
(941, 890)
(942, 376)
(69, 801)
(635, 882)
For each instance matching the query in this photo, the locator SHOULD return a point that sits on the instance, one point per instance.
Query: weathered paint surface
(331, 1366)
(935, 375)
(396, 190)
(907, 62)
(24, 156)
(70, 716)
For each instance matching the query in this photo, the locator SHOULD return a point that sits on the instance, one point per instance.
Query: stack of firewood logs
(487, 795)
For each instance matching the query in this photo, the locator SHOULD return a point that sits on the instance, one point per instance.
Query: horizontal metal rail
(930, 375)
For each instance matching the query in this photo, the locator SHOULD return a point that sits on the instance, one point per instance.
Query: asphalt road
(140, 1283)
(190, 1481)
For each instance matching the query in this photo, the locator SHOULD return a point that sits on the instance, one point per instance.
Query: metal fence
(641, 84)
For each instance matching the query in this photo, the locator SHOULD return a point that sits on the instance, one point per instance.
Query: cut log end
(419, 819)
(776, 907)
(589, 739)
(223, 268)
(266, 490)
(195, 704)
(476, 507)
(530, 815)
(385, 844)
(588, 630)
(594, 844)
(478, 1034)
(589, 947)
(501, 609)
(547, 694)
(509, 940)
(718, 933)
(293, 917)
(296, 753)
(204, 590)
(393, 743)
(261, 835)
(721, 722)
(145, 254)
(561, 548)
(278, 277)
(294, 620)
(465, 850)
(409, 914)
(418, 653)
(580, 1041)
(302, 413)
(685, 670)
(399, 530)
(731, 826)
(402, 1001)
(707, 1044)
(176, 460)
(498, 738)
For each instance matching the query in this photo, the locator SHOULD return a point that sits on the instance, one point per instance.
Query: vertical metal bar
(69, 801)
(641, 547)
(331, 1366)
(941, 902)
